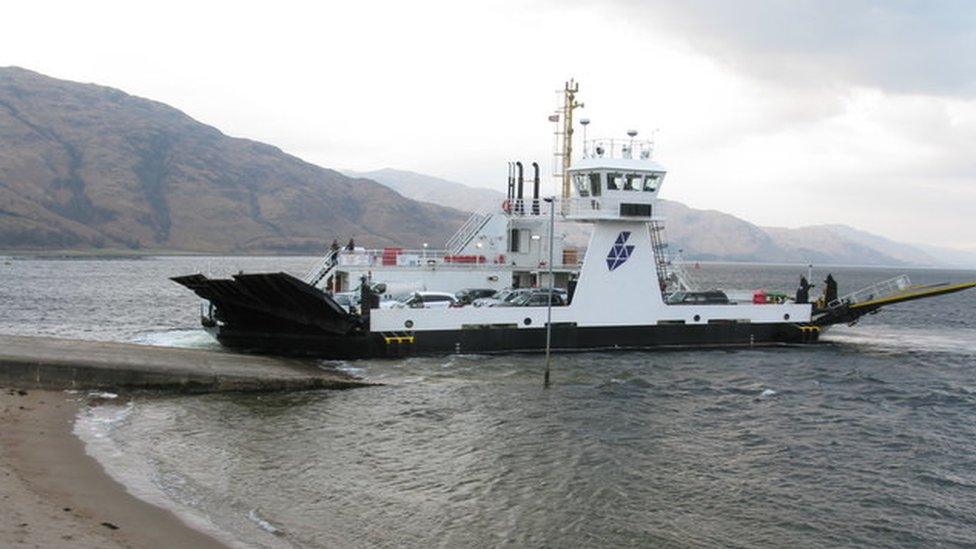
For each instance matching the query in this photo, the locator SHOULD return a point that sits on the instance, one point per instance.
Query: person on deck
(351, 246)
(803, 292)
(830, 291)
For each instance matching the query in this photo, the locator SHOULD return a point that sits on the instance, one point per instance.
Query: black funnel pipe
(535, 188)
(518, 200)
(511, 181)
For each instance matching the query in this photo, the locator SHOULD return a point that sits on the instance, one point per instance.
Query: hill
(89, 167)
(435, 190)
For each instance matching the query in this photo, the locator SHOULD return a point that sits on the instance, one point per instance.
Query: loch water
(867, 439)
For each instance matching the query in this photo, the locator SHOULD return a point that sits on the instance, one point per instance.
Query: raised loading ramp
(850, 308)
(271, 299)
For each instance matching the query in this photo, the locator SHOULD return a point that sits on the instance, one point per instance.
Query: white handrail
(875, 291)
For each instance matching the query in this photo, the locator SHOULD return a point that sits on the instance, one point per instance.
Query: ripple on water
(867, 441)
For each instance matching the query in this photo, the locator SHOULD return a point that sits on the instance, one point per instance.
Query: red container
(390, 255)
(759, 297)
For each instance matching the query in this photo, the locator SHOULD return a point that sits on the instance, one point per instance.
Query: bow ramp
(271, 300)
(850, 308)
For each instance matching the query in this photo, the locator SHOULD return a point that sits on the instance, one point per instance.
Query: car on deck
(536, 297)
(468, 296)
(422, 300)
(709, 297)
(348, 300)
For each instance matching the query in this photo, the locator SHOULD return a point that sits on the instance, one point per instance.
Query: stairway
(669, 272)
(661, 262)
(322, 269)
(463, 236)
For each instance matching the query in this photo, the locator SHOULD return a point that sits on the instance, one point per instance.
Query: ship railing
(875, 291)
(407, 258)
(638, 149)
(527, 207)
(394, 258)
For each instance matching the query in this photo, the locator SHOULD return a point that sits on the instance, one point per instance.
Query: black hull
(510, 340)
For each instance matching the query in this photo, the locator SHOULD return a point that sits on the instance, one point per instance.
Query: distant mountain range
(88, 167)
(433, 189)
(713, 235)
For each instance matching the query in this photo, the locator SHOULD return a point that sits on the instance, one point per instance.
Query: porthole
(527, 321)
(408, 324)
(697, 318)
(786, 316)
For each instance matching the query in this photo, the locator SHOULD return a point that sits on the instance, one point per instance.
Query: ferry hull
(511, 340)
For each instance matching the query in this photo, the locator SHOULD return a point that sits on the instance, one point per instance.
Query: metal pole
(552, 222)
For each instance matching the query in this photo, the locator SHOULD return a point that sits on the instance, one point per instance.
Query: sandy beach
(52, 494)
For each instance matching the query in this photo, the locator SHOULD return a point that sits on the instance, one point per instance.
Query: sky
(783, 113)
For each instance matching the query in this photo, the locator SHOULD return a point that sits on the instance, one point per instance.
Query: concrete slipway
(52, 363)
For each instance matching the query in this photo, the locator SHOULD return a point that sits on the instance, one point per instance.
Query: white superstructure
(614, 188)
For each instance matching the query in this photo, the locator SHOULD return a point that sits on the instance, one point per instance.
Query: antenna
(629, 151)
(564, 135)
(584, 122)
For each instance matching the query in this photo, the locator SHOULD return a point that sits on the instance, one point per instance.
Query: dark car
(468, 295)
(709, 297)
(537, 298)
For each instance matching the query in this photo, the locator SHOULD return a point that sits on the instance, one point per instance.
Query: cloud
(786, 113)
(905, 47)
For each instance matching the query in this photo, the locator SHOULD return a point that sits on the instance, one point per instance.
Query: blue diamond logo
(620, 251)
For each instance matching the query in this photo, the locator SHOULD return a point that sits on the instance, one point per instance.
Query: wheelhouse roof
(616, 164)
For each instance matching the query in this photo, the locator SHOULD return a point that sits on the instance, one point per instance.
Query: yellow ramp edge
(915, 292)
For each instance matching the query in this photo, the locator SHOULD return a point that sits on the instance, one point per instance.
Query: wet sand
(52, 494)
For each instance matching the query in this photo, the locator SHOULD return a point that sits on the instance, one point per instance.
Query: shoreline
(54, 494)
(117, 254)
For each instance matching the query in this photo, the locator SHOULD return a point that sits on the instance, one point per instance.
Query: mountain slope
(434, 189)
(712, 235)
(85, 166)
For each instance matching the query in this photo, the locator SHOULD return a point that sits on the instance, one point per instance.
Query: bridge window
(633, 182)
(581, 184)
(651, 182)
(615, 181)
(595, 184)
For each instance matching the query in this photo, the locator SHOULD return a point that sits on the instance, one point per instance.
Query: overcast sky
(783, 113)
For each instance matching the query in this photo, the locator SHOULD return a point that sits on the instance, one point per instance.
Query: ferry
(625, 292)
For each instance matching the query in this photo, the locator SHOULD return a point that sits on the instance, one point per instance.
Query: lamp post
(552, 281)
(538, 243)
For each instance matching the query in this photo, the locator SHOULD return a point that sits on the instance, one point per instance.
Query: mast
(564, 135)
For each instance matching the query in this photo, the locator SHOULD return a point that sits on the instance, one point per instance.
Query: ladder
(322, 269)
(669, 272)
(463, 236)
(660, 248)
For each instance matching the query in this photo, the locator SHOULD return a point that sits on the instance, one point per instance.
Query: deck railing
(874, 291)
(427, 258)
(641, 149)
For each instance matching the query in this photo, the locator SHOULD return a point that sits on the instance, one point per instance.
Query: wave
(897, 338)
(100, 429)
(189, 339)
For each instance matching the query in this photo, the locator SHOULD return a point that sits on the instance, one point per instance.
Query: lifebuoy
(507, 206)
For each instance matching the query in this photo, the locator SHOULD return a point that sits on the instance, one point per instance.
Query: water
(865, 440)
